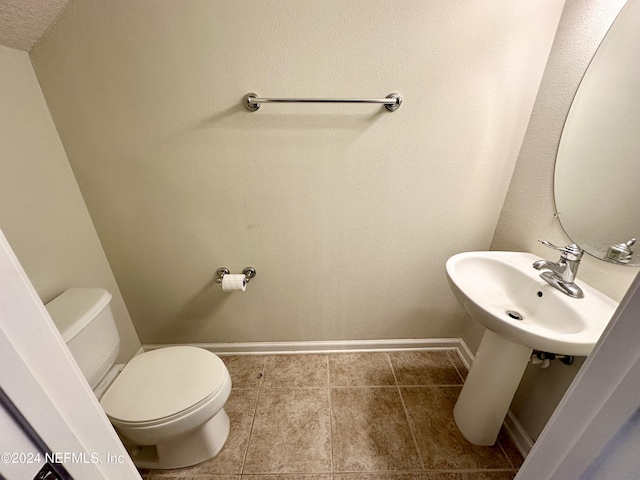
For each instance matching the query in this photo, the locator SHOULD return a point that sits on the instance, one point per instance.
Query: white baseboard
(520, 438)
(522, 441)
(256, 348)
(465, 354)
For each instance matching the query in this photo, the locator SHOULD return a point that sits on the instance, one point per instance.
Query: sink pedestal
(489, 388)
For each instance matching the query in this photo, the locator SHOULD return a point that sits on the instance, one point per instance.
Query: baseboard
(520, 438)
(257, 348)
(465, 354)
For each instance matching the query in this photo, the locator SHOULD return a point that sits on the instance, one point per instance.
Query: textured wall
(529, 207)
(348, 213)
(42, 213)
(528, 211)
(22, 22)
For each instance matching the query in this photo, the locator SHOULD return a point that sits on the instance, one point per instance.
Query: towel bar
(392, 102)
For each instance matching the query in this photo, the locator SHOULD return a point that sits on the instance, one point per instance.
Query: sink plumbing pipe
(540, 363)
(543, 359)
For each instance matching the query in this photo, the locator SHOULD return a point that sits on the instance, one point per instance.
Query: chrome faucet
(562, 274)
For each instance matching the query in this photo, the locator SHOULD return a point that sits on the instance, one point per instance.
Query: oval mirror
(597, 174)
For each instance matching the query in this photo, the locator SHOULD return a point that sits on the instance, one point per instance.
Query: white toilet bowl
(167, 405)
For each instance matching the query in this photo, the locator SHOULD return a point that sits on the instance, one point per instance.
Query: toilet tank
(84, 318)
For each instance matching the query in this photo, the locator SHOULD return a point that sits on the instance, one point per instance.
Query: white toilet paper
(234, 283)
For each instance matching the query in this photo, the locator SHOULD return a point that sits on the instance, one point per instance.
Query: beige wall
(42, 212)
(528, 211)
(347, 212)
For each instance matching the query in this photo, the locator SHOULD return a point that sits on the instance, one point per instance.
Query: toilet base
(186, 450)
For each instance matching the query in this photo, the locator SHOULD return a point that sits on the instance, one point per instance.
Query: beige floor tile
(191, 477)
(440, 443)
(246, 370)
(370, 431)
(457, 362)
(302, 427)
(322, 476)
(477, 475)
(380, 476)
(240, 407)
(296, 371)
(424, 368)
(513, 454)
(366, 369)
(291, 432)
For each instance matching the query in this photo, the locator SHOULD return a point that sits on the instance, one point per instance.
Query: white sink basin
(495, 287)
(491, 284)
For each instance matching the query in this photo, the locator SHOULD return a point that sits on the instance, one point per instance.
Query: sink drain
(515, 315)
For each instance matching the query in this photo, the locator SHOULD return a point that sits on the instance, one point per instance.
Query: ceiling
(23, 22)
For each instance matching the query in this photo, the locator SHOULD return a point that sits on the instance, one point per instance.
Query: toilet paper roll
(234, 283)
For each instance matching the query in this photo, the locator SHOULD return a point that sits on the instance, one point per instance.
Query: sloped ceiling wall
(23, 22)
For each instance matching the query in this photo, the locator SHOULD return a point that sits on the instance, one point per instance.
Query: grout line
(330, 416)
(246, 449)
(422, 472)
(430, 470)
(504, 452)
(457, 353)
(310, 387)
(455, 367)
(446, 385)
(255, 414)
(271, 475)
(406, 413)
(302, 475)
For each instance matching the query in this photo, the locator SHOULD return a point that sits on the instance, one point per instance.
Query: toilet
(165, 404)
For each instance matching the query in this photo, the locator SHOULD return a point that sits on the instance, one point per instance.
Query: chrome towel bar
(392, 102)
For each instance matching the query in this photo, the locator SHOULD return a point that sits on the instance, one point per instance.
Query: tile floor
(348, 416)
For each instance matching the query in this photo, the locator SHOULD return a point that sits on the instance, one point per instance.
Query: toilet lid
(162, 383)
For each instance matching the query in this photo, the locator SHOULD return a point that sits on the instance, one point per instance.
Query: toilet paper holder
(248, 272)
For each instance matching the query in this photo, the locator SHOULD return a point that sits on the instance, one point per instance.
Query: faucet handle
(572, 250)
(620, 253)
(549, 244)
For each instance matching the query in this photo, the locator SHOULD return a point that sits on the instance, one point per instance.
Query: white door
(595, 431)
(41, 382)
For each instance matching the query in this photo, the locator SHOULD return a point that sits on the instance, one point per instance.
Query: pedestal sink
(522, 313)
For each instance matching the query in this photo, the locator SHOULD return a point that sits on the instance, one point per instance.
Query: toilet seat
(161, 385)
